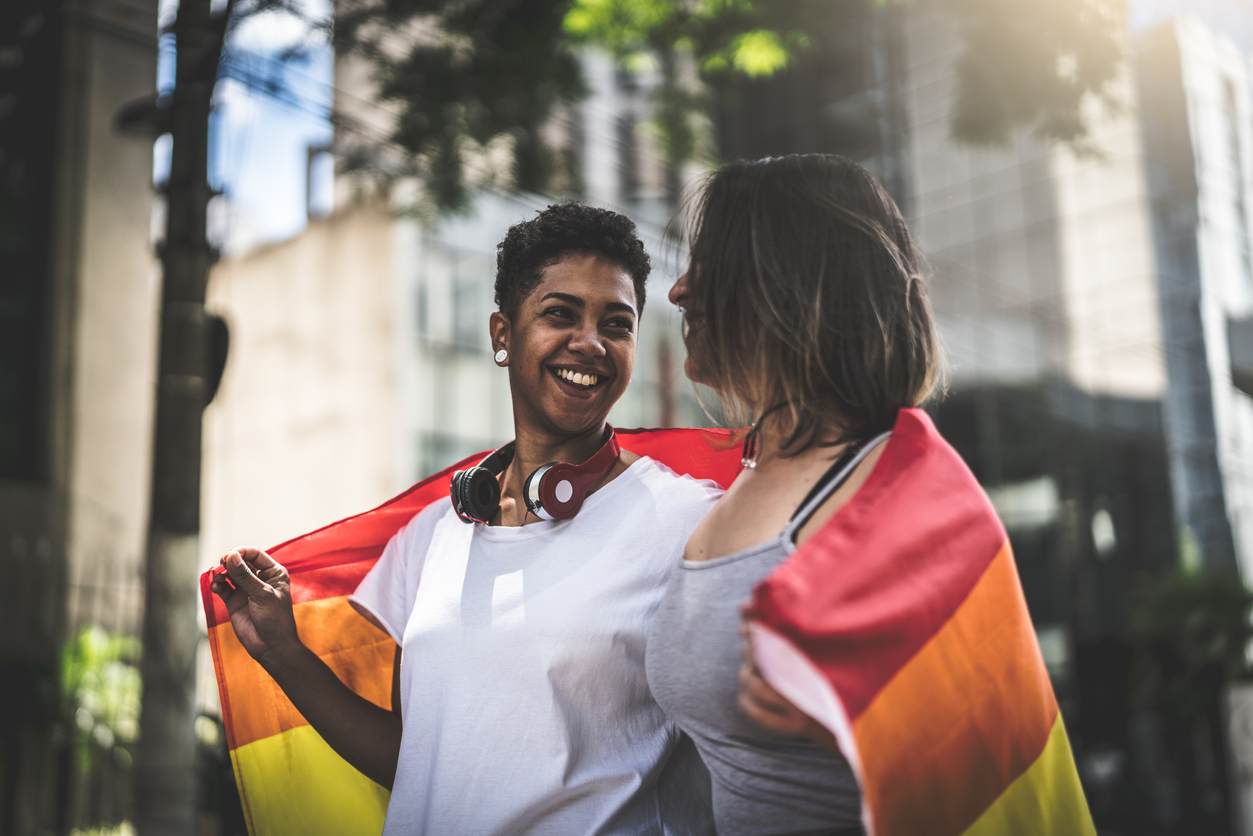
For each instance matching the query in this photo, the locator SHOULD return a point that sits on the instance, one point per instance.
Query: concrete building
(1197, 127)
(1041, 262)
(78, 295)
(1120, 285)
(1117, 273)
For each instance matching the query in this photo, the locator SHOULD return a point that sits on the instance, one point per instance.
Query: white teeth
(578, 378)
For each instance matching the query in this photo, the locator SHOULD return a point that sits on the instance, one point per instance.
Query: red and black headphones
(554, 491)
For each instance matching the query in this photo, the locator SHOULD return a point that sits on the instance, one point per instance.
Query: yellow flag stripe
(1046, 800)
(294, 784)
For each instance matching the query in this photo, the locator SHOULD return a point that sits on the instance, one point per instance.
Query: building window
(470, 297)
(454, 298)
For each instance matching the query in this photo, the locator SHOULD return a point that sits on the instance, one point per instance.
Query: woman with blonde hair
(855, 531)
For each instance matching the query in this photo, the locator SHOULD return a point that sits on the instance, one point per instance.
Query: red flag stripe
(906, 549)
(315, 584)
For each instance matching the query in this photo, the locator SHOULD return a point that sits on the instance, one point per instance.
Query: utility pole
(165, 778)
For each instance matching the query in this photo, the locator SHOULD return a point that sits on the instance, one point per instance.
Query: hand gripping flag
(289, 779)
(902, 628)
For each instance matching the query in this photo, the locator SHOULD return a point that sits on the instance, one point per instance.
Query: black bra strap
(833, 472)
(836, 475)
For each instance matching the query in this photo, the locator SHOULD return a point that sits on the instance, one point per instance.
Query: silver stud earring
(502, 356)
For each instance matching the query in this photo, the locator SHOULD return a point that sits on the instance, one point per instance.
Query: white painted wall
(303, 429)
(116, 288)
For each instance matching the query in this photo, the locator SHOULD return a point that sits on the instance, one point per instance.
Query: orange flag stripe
(359, 653)
(986, 650)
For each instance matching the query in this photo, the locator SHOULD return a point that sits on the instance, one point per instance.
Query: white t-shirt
(525, 703)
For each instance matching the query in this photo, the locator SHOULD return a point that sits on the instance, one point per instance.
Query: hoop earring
(748, 458)
(502, 356)
(749, 455)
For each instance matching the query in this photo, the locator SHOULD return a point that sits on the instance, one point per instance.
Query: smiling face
(571, 346)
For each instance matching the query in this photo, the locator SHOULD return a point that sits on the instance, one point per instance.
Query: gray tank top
(763, 783)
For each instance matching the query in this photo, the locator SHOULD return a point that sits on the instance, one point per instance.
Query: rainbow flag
(901, 626)
(290, 781)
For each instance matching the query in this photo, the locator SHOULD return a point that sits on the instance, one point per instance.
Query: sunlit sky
(260, 140)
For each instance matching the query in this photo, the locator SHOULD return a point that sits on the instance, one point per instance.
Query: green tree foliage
(1191, 630)
(471, 73)
(719, 37)
(1191, 633)
(102, 687)
(467, 74)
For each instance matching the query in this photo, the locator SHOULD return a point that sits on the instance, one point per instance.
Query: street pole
(165, 778)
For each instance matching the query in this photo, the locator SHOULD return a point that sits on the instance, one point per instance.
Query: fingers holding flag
(765, 706)
(256, 590)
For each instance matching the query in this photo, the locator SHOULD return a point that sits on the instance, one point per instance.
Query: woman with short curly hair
(519, 695)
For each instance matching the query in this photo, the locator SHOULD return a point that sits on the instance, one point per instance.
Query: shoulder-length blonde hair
(805, 296)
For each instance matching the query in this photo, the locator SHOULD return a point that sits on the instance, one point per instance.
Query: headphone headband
(497, 460)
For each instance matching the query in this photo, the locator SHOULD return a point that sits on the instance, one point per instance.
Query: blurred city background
(319, 190)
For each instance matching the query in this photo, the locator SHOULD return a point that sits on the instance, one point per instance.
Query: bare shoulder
(760, 502)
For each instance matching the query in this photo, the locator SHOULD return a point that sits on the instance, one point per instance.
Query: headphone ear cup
(554, 492)
(477, 493)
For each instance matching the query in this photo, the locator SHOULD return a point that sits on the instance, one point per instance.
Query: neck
(775, 429)
(770, 436)
(534, 449)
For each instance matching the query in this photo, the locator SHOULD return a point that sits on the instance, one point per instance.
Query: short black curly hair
(560, 230)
